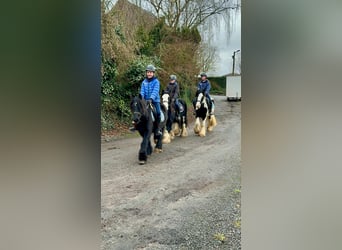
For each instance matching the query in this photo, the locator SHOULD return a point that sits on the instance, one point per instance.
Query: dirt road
(182, 197)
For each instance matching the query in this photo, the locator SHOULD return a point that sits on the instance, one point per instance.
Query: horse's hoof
(142, 162)
(158, 150)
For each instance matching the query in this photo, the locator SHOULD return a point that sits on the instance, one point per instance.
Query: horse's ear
(140, 96)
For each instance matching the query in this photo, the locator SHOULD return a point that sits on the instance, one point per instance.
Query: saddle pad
(162, 117)
(153, 119)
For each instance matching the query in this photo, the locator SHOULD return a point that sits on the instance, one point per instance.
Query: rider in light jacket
(150, 92)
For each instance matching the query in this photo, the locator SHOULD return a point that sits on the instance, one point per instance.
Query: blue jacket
(204, 86)
(150, 89)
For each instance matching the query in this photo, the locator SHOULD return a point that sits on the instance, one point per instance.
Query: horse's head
(199, 92)
(138, 109)
(200, 100)
(166, 99)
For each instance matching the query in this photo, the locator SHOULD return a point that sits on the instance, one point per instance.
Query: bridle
(200, 98)
(138, 113)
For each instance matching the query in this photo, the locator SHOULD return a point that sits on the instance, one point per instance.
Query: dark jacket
(204, 86)
(173, 90)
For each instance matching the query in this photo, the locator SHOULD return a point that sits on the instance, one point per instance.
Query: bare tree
(206, 57)
(189, 13)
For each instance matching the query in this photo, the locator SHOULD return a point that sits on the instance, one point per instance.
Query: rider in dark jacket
(173, 90)
(204, 85)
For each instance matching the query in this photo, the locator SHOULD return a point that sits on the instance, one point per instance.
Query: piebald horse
(202, 117)
(177, 123)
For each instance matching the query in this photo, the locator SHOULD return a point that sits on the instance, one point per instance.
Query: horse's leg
(203, 127)
(158, 148)
(166, 137)
(212, 123)
(144, 147)
(184, 127)
(176, 129)
(149, 148)
(197, 126)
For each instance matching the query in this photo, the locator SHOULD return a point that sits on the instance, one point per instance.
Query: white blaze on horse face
(199, 97)
(165, 98)
(200, 100)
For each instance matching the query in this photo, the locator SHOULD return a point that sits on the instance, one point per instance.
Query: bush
(113, 97)
(135, 73)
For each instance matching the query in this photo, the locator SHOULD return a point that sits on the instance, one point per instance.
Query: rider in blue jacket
(150, 92)
(204, 85)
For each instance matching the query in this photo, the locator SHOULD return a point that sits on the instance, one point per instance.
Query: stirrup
(158, 132)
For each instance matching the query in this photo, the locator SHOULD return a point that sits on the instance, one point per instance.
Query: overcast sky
(226, 45)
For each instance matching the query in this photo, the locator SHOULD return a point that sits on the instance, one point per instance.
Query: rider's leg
(179, 105)
(158, 129)
(209, 103)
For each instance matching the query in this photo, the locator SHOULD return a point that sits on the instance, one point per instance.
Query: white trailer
(233, 88)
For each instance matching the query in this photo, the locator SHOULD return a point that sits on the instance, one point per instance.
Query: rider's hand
(173, 99)
(149, 101)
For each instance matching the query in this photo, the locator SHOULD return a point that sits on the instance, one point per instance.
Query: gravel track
(182, 197)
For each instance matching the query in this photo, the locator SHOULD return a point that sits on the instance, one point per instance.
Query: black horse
(144, 123)
(177, 122)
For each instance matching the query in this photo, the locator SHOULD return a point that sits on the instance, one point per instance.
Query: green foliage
(218, 85)
(190, 34)
(149, 40)
(113, 97)
(135, 73)
(118, 31)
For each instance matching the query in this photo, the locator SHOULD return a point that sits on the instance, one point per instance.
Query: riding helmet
(150, 67)
(203, 74)
(173, 77)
